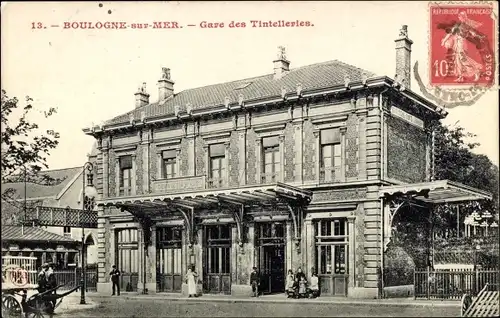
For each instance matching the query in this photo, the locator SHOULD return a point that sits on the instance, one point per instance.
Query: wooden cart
(19, 276)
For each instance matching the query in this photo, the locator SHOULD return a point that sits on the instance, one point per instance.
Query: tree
(24, 147)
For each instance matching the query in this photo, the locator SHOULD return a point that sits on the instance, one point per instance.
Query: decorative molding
(125, 150)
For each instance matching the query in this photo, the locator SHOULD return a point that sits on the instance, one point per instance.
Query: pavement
(281, 298)
(175, 305)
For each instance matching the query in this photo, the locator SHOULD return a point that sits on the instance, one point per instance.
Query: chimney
(165, 85)
(403, 57)
(141, 97)
(281, 64)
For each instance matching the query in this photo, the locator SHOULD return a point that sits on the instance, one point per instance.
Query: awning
(146, 206)
(441, 191)
(195, 199)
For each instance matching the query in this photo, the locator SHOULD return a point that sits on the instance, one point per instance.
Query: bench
(485, 304)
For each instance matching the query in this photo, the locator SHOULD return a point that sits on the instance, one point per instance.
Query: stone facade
(370, 140)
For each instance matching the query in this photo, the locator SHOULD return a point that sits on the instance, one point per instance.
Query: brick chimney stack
(141, 96)
(403, 57)
(165, 85)
(281, 64)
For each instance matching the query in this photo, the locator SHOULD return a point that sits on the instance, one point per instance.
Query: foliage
(24, 147)
(454, 161)
(398, 267)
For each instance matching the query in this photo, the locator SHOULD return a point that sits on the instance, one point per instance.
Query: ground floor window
(169, 259)
(127, 258)
(331, 240)
(217, 254)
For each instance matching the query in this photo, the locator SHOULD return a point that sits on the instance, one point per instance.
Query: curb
(289, 301)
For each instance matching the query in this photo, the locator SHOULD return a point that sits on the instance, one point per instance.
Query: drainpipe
(382, 248)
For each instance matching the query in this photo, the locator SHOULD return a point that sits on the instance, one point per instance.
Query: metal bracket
(238, 217)
(189, 219)
(296, 219)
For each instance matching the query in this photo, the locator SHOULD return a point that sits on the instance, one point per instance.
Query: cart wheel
(11, 307)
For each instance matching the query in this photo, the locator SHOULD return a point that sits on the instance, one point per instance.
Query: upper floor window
(125, 175)
(217, 153)
(169, 164)
(67, 231)
(271, 159)
(331, 155)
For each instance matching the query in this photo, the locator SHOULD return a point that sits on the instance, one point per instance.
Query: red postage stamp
(462, 43)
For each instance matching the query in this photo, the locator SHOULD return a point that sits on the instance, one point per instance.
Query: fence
(452, 284)
(72, 278)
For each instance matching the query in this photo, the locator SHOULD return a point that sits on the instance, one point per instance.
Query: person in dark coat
(115, 277)
(51, 282)
(255, 282)
(42, 278)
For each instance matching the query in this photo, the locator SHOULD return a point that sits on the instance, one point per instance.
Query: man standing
(255, 282)
(115, 275)
(42, 278)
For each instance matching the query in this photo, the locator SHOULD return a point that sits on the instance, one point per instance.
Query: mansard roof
(311, 77)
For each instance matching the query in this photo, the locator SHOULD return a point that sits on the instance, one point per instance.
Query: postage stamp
(461, 45)
(463, 61)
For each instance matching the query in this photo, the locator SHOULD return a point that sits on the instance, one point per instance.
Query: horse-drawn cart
(19, 279)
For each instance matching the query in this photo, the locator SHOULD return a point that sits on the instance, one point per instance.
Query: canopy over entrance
(436, 192)
(145, 207)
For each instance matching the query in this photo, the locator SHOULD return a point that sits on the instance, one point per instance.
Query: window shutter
(217, 150)
(330, 136)
(270, 141)
(169, 154)
(126, 162)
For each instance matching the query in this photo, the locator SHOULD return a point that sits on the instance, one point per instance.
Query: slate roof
(315, 76)
(34, 190)
(17, 233)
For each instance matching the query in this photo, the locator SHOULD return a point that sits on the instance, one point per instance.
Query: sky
(91, 75)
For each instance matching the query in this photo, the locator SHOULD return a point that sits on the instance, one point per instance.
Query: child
(314, 287)
(290, 280)
(302, 287)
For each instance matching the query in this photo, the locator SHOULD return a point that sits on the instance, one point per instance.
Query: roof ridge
(333, 73)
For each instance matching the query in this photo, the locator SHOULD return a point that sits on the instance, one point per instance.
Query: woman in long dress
(456, 41)
(191, 277)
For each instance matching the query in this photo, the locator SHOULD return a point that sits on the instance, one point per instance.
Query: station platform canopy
(435, 192)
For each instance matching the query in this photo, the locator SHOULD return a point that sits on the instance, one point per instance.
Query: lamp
(89, 194)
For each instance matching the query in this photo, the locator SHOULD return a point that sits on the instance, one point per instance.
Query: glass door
(217, 276)
(169, 259)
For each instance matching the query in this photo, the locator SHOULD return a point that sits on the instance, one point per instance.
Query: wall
(406, 151)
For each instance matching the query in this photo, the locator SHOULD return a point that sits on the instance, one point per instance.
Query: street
(123, 307)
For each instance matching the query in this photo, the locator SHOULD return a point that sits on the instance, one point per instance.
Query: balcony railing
(125, 191)
(179, 184)
(272, 177)
(330, 175)
(215, 183)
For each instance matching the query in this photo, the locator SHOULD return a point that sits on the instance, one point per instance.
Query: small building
(300, 167)
(18, 240)
(53, 205)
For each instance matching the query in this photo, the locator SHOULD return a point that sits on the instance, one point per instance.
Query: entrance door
(271, 257)
(169, 259)
(127, 258)
(217, 269)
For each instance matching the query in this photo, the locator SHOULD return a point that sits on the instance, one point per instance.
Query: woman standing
(191, 277)
(290, 280)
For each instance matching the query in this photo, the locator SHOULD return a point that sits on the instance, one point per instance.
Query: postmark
(462, 53)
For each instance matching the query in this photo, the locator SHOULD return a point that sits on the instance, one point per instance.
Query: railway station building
(302, 167)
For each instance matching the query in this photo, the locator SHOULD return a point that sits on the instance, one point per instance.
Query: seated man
(313, 289)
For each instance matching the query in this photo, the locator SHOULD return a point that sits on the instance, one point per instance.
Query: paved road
(119, 307)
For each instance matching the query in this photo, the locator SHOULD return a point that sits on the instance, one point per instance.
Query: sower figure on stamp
(456, 41)
(115, 278)
(255, 282)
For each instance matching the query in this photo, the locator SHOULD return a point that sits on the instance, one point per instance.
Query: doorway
(217, 254)
(169, 259)
(271, 257)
